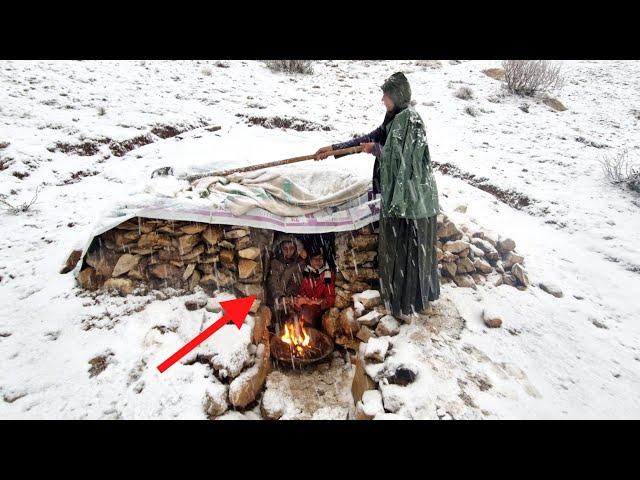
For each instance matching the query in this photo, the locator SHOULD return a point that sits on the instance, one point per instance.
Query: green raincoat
(407, 183)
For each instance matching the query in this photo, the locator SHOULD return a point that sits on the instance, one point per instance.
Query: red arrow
(234, 310)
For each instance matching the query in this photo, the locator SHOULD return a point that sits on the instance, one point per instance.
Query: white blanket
(281, 194)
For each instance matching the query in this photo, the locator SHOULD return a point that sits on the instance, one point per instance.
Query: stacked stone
(240, 388)
(471, 258)
(358, 308)
(182, 255)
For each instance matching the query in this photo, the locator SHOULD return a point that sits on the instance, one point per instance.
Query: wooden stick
(224, 173)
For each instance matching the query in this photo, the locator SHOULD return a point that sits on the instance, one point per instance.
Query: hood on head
(285, 237)
(398, 88)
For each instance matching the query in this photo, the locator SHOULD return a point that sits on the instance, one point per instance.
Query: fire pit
(300, 345)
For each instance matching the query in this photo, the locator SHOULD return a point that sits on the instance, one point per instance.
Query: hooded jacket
(407, 183)
(285, 276)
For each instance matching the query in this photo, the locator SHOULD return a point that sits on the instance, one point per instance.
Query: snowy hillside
(85, 135)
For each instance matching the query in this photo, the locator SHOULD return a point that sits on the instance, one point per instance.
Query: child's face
(288, 250)
(317, 261)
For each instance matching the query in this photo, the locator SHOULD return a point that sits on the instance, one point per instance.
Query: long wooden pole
(342, 151)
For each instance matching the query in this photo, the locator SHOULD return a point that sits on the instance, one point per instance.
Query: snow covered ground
(572, 357)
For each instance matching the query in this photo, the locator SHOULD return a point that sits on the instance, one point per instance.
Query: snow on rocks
(491, 317)
(467, 261)
(388, 326)
(376, 349)
(368, 298)
(370, 319)
(551, 289)
(372, 403)
(215, 400)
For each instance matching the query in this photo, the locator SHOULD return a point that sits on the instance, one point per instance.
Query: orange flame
(296, 336)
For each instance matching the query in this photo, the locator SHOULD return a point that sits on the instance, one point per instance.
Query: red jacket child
(319, 285)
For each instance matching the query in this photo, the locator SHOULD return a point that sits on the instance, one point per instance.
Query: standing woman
(409, 202)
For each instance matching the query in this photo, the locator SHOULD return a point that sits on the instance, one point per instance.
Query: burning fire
(296, 337)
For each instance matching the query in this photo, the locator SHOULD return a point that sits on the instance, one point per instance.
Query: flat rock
(491, 318)
(376, 349)
(250, 253)
(520, 274)
(388, 326)
(505, 245)
(551, 289)
(370, 319)
(125, 263)
(455, 246)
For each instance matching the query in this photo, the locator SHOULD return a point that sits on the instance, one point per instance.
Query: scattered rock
(273, 405)
(511, 259)
(364, 334)
(554, 103)
(448, 231)
(196, 304)
(505, 245)
(482, 265)
(551, 289)
(450, 268)
(401, 375)
(491, 318)
(372, 403)
(388, 326)
(392, 397)
(465, 281)
(361, 381)
(376, 349)
(489, 250)
(368, 298)
(215, 400)
(509, 279)
(465, 265)
(244, 388)
(519, 272)
(370, 319)
(455, 246)
(495, 73)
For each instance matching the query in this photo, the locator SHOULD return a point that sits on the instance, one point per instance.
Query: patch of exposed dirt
(514, 199)
(84, 149)
(77, 176)
(99, 364)
(297, 124)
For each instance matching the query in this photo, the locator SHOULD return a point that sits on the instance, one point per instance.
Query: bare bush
(290, 66)
(464, 93)
(101, 111)
(621, 171)
(433, 64)
(469, 110)
(15, 209)
(527, 77)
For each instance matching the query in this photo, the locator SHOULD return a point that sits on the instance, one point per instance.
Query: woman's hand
(322, 153)
(368, 147)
